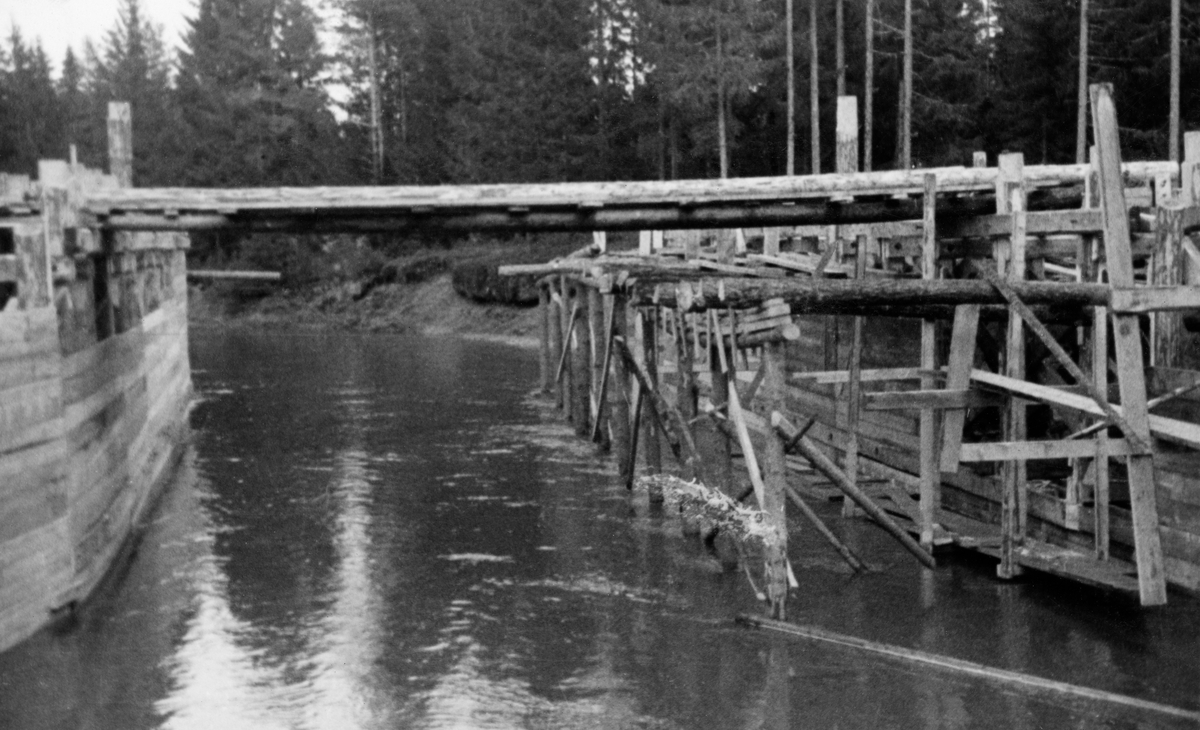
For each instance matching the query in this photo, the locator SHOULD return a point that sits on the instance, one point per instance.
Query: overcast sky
(62, 23)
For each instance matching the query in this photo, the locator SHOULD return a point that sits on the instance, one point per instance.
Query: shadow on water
(384, 532)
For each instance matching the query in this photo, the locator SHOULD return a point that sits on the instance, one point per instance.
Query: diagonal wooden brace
(1139, 445)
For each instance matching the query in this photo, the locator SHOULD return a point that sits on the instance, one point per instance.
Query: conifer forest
(301, 92)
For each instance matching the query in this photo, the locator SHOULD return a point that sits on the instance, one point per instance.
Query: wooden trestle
(684, 348)
(706, 325)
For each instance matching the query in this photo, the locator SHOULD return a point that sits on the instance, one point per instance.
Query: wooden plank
(35, 566)
(949, 400)
(829, 377)
(1127, 342)
(1166, 271)
(1142, 299)
(1038, 450)
(958, 378)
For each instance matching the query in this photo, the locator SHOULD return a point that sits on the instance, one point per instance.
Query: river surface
(397, 532)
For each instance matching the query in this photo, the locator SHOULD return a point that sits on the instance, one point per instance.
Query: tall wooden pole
(791, 88)
(1131, 376)
(840, 46)
(869, 87)
(906, 109)
(120, 142)
(1081, 146)
(1173, 145)
(814, 99)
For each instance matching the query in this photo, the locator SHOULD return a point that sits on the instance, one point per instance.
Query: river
(397, 532)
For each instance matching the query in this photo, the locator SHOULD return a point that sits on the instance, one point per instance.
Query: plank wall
(94, 387)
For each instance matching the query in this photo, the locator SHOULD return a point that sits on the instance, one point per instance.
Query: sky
(62, 23)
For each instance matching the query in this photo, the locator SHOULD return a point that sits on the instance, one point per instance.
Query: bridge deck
(814, 199)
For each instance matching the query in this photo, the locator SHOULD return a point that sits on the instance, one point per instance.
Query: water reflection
(392, 532)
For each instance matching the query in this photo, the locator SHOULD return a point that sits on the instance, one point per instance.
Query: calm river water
(395, 532)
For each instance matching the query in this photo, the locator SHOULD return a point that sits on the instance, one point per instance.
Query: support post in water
(545, 362)
(1010, 262)
(566, 310)
(581, 365)
(720, 451)
(618, 393)
(598, 335)
(931, 477)
(774, 474)
(650, 440)
(556, 319)
(1131, 377)
(685, 383)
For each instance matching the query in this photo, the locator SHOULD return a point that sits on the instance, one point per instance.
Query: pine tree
(30, 121)
(249, 96)
(131, 64)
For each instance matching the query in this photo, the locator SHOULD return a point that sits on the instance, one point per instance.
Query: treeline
(469, 91)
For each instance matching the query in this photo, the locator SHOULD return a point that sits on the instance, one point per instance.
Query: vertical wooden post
(774, 473)
(979, 159)
(619, 393)
(581, 365)
(869, 88)
(847, 134)
(686, 391)
(651, 445)
(598, 336)
(1010, 199)
(566, 309)
(1131, 377)
(720, 450)
(1100, 374)
(1189, 173)
(854, 386)
(1167, 271)
(771, 241)
(814, 82)
(120, 142)
(546, 363)
(931, 477)
(556, 319)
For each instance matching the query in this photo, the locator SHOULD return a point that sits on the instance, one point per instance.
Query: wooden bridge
(1106, 244)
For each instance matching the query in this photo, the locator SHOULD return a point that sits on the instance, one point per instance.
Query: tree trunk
(906, 131)
(814, 100)
(791, 88)
(1081, 153)
(1173, 144)
(722, 143)
(869, 87)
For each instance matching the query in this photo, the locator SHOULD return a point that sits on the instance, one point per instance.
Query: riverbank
(427, 307)
(432, 291)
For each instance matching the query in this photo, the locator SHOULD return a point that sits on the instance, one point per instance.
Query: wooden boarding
(1039, 450)
(1180, 432)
